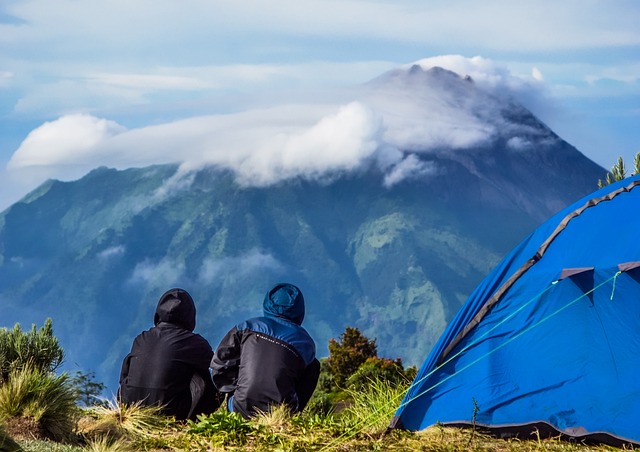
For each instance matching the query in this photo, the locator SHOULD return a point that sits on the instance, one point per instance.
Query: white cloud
(69, 139)
(409, 167)
(488, 74)
(111, 252)
(337, 142)
(198, 26)
(519, 144)
(254, 261)
(165, 272)
(6, 78)
(536, 74)
(412, 111)
(149, 81)
(63, 149)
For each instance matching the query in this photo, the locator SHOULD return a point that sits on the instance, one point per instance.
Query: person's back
(168, 364)
(269, 360)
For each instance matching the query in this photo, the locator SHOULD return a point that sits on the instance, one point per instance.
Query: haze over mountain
(386, 212)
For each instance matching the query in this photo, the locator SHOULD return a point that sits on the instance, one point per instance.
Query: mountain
(392, 250)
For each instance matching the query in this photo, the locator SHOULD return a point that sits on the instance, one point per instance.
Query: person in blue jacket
(269, 360)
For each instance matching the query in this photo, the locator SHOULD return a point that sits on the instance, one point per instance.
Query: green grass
(41, 396)
(361, 426)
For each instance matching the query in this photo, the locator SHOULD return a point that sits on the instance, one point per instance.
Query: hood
(177, 307)
(286, 301)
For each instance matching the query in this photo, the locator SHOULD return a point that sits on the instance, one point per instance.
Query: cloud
(337, 142)
(166, 272)
(536, 74)
(219, 270)
(490, 76)
(165, 60)
(5, 78)
(70, 139)
(110, 252)
(402, 112)
(102, 26)
(409, 167)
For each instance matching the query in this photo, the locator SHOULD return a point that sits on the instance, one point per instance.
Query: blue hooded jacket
(269, 360)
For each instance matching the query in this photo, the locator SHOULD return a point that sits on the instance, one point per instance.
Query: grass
(361, 426)
(115, 425)
(40, 397)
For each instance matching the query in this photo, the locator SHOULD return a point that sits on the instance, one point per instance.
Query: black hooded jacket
(269, 360)
(163, 360)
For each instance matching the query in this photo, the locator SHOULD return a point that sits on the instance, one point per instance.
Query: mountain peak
(433, 109)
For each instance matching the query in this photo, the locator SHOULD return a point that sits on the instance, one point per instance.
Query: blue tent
(550, 339)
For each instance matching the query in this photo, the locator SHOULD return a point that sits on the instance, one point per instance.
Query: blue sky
(122, 83)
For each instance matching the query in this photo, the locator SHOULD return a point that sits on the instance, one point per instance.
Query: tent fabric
(551, 337)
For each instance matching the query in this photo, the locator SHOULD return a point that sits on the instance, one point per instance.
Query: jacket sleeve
(226, 361)
(307, 382)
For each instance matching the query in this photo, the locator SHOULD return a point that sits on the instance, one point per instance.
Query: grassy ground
(287, 438)
(360, 427)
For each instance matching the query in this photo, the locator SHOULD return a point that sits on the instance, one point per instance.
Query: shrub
(38, 394)
(381, 369)
(38, 349)
(135, 421)
(348, 354)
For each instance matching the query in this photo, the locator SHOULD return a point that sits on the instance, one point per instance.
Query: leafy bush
(37, 348)
(348, 354)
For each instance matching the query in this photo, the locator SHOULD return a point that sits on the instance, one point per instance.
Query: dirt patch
(24, 428)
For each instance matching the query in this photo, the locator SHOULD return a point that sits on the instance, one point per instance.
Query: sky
(273, 89)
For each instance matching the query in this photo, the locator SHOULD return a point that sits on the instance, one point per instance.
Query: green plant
(373, 406)
(108, 444)
(37, 348)
(38, 394)
(88, 389)
(348, 354)
(223, 427)
(619, 171)
(474, 417)
(134, 421)
(378, 369)
(320, 404)
(48, 446)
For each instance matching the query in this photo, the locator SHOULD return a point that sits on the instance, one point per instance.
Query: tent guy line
(557, 365)
(504, 344)
(377, 415)
(562, 225)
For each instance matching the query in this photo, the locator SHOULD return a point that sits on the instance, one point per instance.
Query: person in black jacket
(168, 365)
(269, 360)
